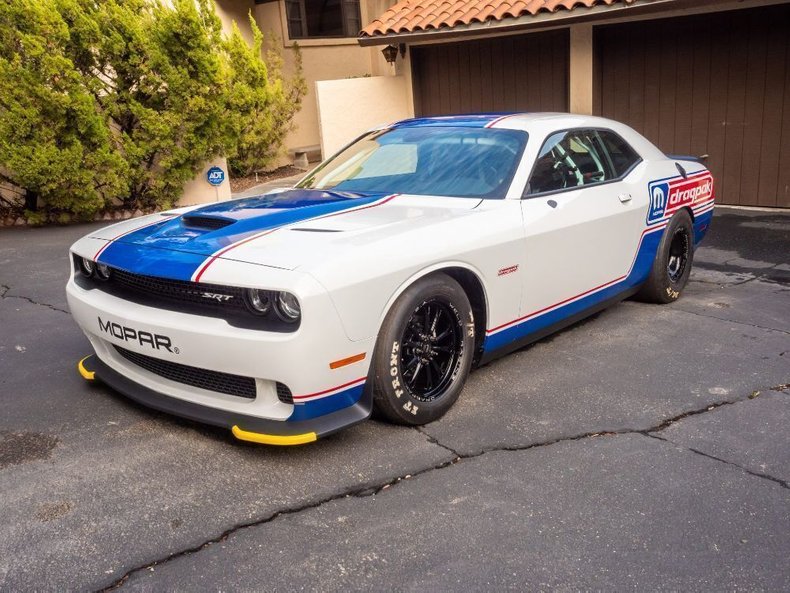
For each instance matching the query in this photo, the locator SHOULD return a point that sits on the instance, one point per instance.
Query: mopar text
(144, 338)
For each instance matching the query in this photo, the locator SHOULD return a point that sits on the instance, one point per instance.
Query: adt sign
(215, 176)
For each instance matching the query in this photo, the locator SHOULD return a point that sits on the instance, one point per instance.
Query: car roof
(539, 124)
(506, 119)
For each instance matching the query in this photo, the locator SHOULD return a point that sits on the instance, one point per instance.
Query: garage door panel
(701, 89)
(770, 143)
(498, 51)
(668, 90)
(717, 118)
(736, 117)
(636, 80)
(525, 72)
(756, 64)
(716, 84)
(485, 77)
(685, 46)
(783, 181)
(651, 124)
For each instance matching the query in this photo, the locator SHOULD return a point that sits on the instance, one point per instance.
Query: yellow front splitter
(86, 374)
(273, 439)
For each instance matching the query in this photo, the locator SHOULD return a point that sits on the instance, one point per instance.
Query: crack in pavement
(4, 295)
(741, 283)
(773, 329)
(361, 492)
(763, 476)
(434, 441)
(366, 491)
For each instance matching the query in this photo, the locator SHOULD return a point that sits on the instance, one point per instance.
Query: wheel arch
(470, 280)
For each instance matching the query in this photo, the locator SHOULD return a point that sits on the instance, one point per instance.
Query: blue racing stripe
(642, 265)
(477, 120)
(174, 249)
(701, 226)
(327, 405)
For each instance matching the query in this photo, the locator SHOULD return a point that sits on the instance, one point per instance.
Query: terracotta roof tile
(409, 16)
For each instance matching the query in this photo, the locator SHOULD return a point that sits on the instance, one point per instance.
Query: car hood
(285, 229)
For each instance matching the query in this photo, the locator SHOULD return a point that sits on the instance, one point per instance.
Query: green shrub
(258, 90)
(127, 99)
(53, 141)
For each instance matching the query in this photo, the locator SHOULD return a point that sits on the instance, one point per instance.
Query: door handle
(624, 198)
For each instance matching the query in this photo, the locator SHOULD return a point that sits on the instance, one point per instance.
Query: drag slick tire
(424, 352)
(672, 265)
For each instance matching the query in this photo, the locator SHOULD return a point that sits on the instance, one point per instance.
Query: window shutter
(351, 19)
(293, 14)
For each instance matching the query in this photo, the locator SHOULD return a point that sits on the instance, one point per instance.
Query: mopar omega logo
(658, 200)
(143, 338)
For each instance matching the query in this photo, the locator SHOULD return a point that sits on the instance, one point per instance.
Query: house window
(322, 18)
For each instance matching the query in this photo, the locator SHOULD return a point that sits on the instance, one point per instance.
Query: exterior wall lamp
(391, 52)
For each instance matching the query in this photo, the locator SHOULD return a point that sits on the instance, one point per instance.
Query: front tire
(424, 352)
(672, 266)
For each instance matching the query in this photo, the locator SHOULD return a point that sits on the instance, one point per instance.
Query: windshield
(436, 161)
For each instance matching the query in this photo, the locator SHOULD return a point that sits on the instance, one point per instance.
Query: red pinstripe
(145, 226)
(224, 250)
(325, 391)
(585, 293)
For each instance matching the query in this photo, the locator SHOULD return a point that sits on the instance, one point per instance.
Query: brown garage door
(525, 72)
(714, 84)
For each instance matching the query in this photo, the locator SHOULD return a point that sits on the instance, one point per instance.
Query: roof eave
(543, 20)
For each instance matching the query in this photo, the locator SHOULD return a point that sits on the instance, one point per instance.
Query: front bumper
(324, 395)
(244, 427)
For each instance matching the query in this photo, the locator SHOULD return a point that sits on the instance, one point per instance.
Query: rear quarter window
(623, 157)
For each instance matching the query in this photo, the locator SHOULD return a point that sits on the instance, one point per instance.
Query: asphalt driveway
(645, 448)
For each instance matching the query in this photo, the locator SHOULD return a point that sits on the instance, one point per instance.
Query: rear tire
(424, 352)
(672, 266)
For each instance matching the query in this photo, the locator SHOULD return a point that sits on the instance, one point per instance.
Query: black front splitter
(244, 427)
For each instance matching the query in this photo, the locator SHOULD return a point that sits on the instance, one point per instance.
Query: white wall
(349, 107)
(200, 191)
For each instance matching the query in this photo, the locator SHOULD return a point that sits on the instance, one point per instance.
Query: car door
(583, 214)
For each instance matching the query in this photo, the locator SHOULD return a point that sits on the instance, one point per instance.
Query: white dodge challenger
(377, 282)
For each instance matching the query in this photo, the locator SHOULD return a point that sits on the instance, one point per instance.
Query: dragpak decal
(667, 196)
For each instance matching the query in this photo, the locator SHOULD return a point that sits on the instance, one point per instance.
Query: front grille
(195, 377)
(208, 300)
(181, 291)
(206, 222)
(284, 394)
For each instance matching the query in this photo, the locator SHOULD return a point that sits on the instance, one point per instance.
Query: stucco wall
(200, 191)
(348, 108)
(229, 11)
(322, 60)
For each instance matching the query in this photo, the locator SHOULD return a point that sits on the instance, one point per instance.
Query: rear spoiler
(682, 157)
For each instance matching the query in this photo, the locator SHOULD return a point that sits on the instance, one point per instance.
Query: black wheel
(424, 352)
(672, 265)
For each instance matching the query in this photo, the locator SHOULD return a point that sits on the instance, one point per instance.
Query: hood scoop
(208, 223)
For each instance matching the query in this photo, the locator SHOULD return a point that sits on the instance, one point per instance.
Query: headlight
(258, 301)
(102, 271)
(87, 267)
(288, 308)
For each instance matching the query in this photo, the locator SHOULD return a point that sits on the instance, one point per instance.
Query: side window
(567, 160)
(622, 156)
